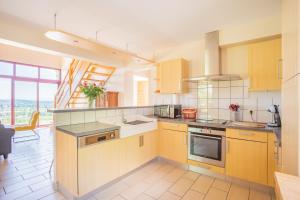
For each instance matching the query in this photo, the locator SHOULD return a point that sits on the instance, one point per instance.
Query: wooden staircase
(68, 94)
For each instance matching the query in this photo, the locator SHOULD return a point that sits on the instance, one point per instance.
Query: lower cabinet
(252, 155)
(247, 160)
(97, 165)
(137, 150)
(173, 145)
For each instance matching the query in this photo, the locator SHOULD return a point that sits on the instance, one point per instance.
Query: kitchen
(210, 113)
(204, 142)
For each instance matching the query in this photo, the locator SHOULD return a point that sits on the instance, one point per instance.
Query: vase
(235, 115)
(91, 103)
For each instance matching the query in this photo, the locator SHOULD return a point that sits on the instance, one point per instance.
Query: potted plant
(235, 114)
(91, 92)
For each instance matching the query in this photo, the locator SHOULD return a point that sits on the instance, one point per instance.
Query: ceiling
(141, 25)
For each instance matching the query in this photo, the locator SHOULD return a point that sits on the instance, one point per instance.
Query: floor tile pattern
(25, 175)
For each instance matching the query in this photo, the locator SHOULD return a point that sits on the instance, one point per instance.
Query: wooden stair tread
(91, 79)
(98, 73)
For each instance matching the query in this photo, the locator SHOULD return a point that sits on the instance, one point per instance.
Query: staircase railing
(71, 81)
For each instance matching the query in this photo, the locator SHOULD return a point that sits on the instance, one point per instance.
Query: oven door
(206, 148)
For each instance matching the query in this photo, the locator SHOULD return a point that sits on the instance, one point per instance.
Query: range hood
(212, 67)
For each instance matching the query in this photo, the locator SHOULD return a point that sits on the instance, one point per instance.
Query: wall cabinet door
(265, 67)
(173, 145)
(97, 165)
(247, 160)
(170, 77)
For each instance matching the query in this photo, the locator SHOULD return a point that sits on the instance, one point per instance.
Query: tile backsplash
(66, 118)
(213, 99)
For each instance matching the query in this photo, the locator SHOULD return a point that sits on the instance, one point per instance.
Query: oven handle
(204, 136)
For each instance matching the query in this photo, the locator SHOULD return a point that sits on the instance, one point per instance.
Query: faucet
(123, 117)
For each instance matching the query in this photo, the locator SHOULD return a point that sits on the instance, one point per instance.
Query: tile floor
(25, 175)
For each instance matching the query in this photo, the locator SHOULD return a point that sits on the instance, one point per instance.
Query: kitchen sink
(248, 124)
(137, 122)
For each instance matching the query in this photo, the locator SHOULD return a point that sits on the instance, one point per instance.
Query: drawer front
(247, 135)
(173, 126)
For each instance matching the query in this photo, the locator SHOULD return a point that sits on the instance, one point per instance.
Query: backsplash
(66, 118)
(213, 99)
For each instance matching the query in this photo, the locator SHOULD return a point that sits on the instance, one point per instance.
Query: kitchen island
(90, 155)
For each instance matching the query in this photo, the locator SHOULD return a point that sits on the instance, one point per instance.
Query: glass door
(25, 101)
(47, 93)
(5, 100)
(206, 146)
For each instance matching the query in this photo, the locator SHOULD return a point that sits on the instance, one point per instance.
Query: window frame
(37, 80)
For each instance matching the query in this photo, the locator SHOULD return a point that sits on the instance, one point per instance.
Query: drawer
(247, 135)
(173, 126)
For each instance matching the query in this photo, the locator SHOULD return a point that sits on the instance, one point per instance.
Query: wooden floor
(25, 175)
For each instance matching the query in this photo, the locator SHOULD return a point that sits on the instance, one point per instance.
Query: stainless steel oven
(207, 145)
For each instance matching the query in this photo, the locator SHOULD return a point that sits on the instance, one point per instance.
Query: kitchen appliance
(212, 69)
(189, 113)
(167, 111)
(274, 109)
(98, 137)
(207, 144)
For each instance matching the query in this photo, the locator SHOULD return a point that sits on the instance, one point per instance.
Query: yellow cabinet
(264, 65)
(247, 160)
(170, 75)
(137, 150)
(97, 165)
(173, 144)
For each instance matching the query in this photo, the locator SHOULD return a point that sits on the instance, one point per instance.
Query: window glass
(47, 93)
(25, 101)
(5, 100)
(50, 74)
(6, 68)
(26, 71)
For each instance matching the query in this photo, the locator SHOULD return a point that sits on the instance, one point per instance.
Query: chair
(5, 140)
(30, 127)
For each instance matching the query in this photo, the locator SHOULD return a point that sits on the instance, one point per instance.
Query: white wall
(291, 87)
(15, 54)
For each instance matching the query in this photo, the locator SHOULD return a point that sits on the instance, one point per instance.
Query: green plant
(91, 91)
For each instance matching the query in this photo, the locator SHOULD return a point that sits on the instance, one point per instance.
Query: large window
(25, 89)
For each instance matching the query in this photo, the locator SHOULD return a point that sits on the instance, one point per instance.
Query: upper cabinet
(170, 75)
(265, 68)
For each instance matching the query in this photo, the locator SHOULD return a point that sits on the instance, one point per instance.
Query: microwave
(167, 111)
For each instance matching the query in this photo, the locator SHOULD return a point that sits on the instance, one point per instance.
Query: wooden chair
(30, 127)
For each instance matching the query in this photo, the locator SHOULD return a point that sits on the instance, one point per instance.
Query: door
(173, 145)
(247, 160)
(92, 173)
(149, 146)
(265, 65)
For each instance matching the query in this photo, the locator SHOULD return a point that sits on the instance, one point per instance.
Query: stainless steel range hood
(212, 68)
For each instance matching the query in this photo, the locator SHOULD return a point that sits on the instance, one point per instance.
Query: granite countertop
(84, 129)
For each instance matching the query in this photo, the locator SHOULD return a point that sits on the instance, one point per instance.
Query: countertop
(275, 130)
(288, 186)
(84, 129)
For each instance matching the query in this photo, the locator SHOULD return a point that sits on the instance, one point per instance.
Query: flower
(91, 91)
(234, 107)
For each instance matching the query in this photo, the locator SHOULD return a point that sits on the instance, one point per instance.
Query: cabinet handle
(184, 139)
(227, 146)
(140, 141)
